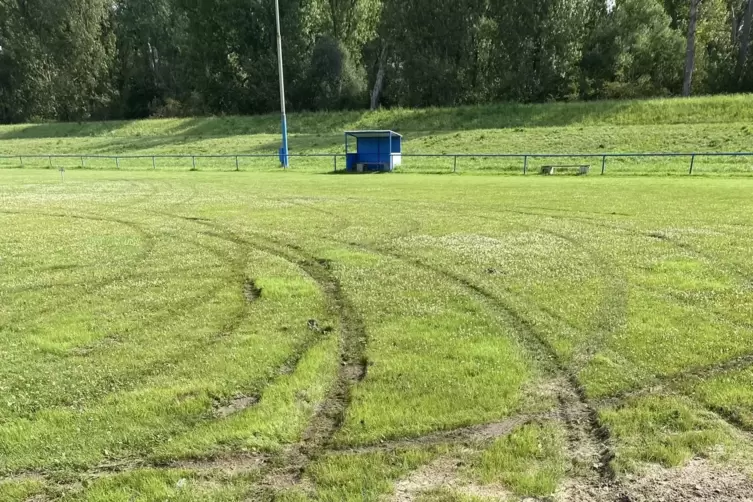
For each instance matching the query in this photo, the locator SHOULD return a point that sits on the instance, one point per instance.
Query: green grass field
(709, 124)
(296, 336)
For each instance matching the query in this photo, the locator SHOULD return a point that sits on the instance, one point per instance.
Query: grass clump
(147, 485)
(666, 430)
(364, 477)
(731, 394)
(20, 491)
(530, 461)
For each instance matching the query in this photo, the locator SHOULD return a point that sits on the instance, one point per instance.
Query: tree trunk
(687, 85)
(376, 92)
(745, 38)
(735, 25)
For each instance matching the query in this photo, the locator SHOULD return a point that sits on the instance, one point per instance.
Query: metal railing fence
(193, 161)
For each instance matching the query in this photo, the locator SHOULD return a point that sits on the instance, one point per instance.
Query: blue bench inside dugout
(375, 151)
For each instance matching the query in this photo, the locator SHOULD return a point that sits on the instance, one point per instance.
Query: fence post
(21, 158)
(603, 164)
(692, 162)
(525, 165)
(50, 159)
(335, 158)
(82, 162)
(236, 163)
(455, 165)
(117, 162)
(193, 161)
(154, 163)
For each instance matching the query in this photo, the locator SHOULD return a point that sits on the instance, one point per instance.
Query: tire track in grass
(317, 438)
(229, 327)
(149, 239)
(353, 339)
(611, 313)
(672, 383)
(678, 383)
(588, 438)
(612, 309)
(473, 435)
(586, 435)
(327, 420)
(318, 434)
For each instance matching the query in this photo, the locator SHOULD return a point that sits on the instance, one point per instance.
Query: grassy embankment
(713, 124)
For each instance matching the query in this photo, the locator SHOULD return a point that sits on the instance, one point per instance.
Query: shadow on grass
(62, 130)
(331, 123)
(718, 109)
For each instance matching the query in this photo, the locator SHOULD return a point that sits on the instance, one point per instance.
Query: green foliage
(56, 56)
(336, 80)
(82, 59)
(636, 52)
(540, 62)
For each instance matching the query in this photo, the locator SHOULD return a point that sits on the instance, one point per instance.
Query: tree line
(112, 59)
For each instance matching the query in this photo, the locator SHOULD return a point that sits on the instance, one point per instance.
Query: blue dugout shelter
(375, 151)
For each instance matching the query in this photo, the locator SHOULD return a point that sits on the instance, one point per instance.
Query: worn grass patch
(149, 484)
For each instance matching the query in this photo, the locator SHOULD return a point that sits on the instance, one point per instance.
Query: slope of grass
(709, 124)
(716, 110)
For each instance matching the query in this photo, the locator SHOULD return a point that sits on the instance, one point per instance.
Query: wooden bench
(582, 169)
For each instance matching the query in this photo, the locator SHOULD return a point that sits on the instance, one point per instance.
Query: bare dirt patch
(476, 434)
(251, 291)
(697, 481)
(238, 404)
(443, 473)
(230, 464)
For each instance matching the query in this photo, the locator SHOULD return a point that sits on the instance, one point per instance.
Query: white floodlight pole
(284, 149)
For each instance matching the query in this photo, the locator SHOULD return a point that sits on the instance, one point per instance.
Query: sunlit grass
(705, 124)
(134, 306)
(664, 430)
(531, 460)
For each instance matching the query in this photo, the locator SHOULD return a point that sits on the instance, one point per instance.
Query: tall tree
(57, 56)
(430, 44)
(541, 61)
(353, 22)
(745, 38)
(690, 51)
(150, 40)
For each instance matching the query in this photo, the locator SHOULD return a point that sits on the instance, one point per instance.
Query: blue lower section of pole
(284, 149)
